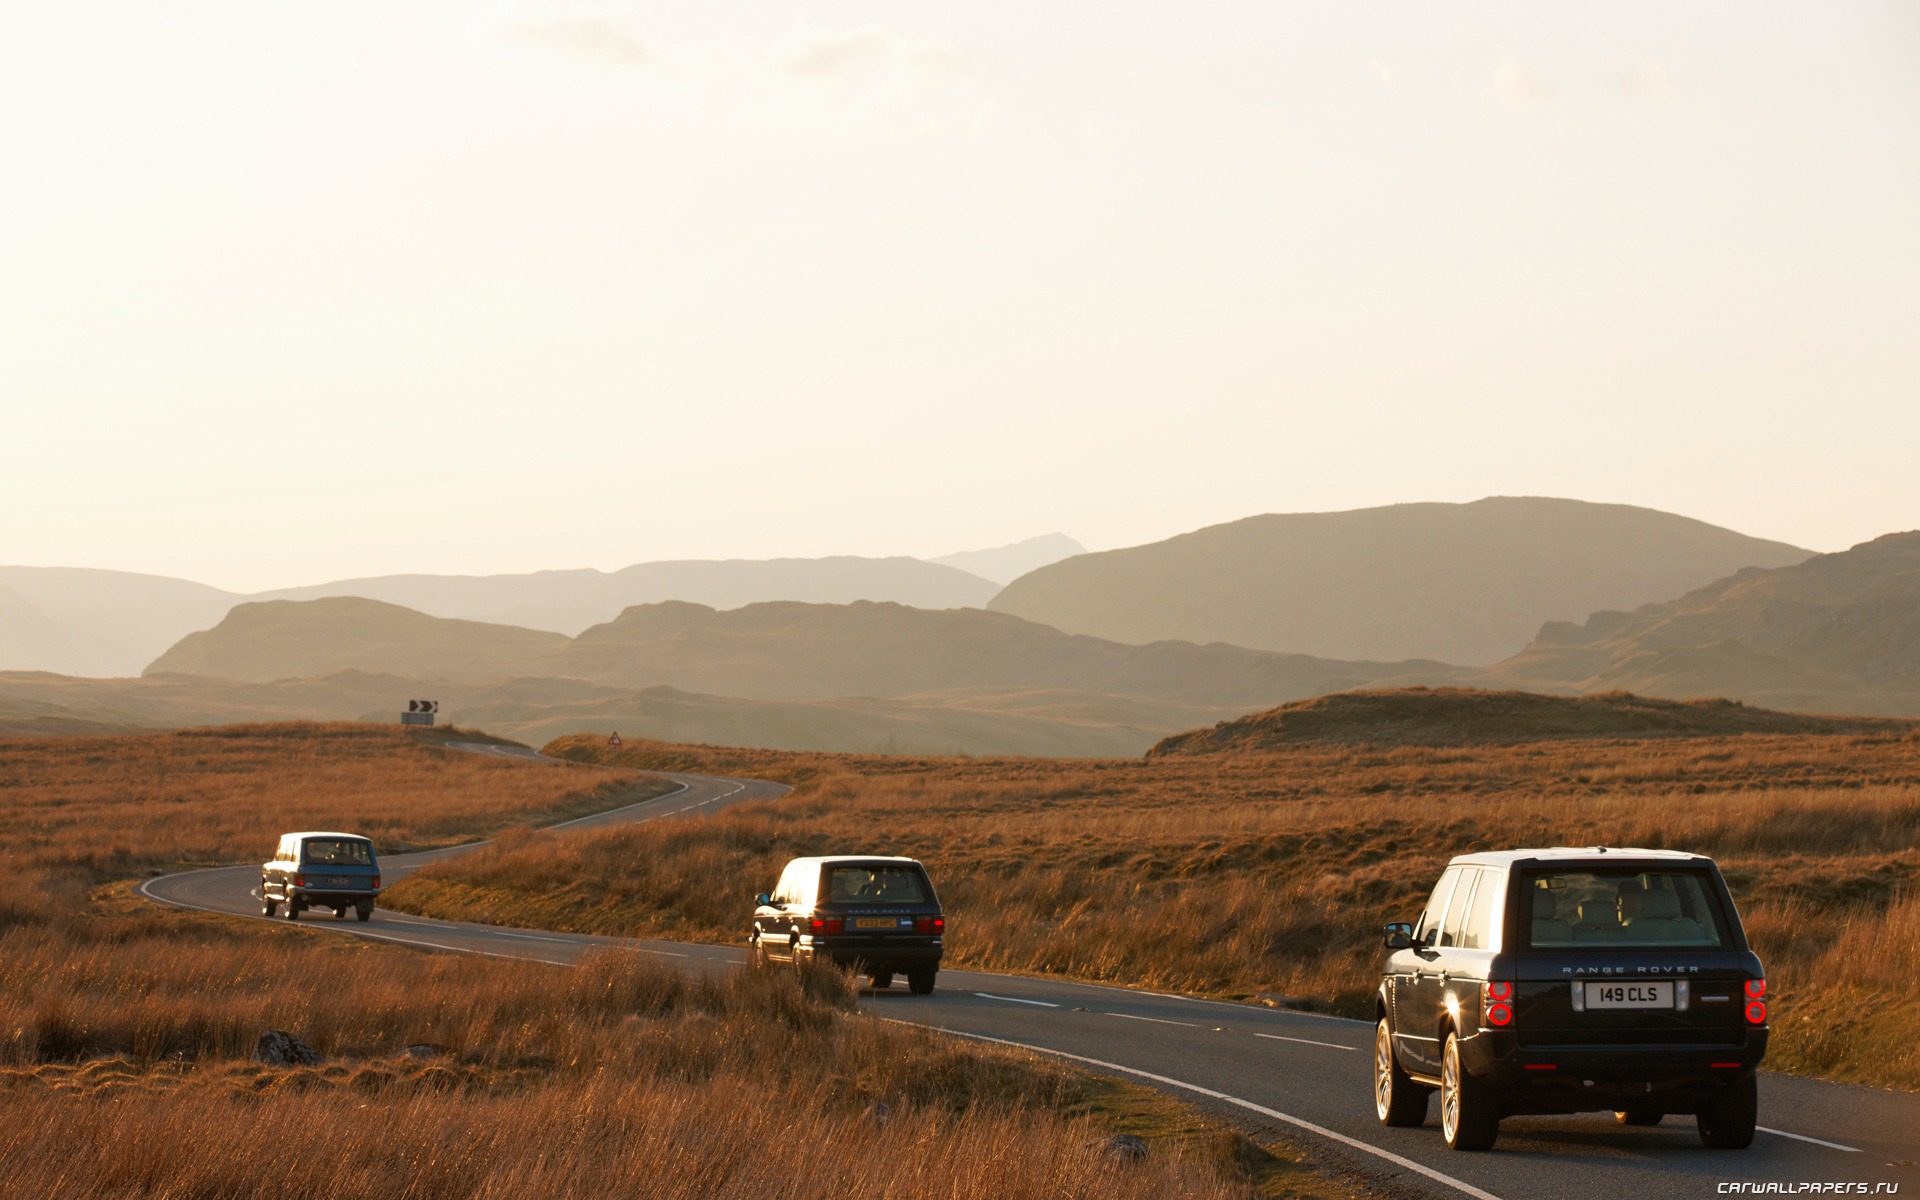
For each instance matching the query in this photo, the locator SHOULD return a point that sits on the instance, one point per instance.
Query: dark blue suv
(1572, 980)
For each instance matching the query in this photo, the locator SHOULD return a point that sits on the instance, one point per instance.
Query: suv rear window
(1624, 908)
(338, 853)
(876, 885)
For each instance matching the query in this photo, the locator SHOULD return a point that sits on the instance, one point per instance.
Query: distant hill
(286, 639)
(80, 621)
(1004, 564)
(1460, 583)
(785, 651)
(570, 601)
(1837, 633)
(1460, 716)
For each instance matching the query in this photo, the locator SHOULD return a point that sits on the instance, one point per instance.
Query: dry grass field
(106, 807)
(126, 1029)
(1269, 875)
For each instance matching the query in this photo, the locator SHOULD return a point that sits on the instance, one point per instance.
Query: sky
(299, 291)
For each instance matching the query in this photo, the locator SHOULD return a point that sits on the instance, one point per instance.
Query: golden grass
(126, 1030)
(108, 806)
(1270, 875)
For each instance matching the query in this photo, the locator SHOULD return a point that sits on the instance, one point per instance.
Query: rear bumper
(872, 957)
(333, 897)
(1589, 1078)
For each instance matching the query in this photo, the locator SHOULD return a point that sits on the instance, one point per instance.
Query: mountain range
(1462, 583)
(1837, 633)
(83, 621)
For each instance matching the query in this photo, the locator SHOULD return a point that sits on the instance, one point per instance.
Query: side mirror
(762, 900)
(1399, 936)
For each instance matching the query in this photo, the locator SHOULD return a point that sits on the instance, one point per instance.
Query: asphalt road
(1304, 1074)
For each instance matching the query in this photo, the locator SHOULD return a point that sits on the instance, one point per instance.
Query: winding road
(1305, 1075)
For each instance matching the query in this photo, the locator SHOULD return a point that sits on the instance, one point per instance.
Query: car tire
(920, 983)
(1397, 1100)
(1469, 1116)
(340, 914)
(268, 907)
(365, 910)
(757, 955)
(882, 980)
(1639, 1116)
(293, 910)
(1728, 1123)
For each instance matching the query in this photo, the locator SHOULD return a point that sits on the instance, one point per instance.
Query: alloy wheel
(1382, 1070)
(1450, 1091)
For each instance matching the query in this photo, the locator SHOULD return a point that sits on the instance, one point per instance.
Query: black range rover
(1572, 980)
(872, 914)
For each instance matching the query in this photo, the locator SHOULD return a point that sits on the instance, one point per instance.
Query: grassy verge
(1268, 876)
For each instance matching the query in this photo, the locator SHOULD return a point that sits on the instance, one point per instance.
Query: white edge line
(1305, 1041)
(1801, 1137)
(1155, 1020)
(1355, 1143)
(1015, 1000)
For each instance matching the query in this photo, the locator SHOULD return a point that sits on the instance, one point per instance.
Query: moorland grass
(126, 1029)
(1269, 875)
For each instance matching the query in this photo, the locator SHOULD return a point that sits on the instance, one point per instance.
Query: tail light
(818, 925)
(1756, 1002)
(929, 924)
(1497, 1003)
(299, 881)
(376, 881)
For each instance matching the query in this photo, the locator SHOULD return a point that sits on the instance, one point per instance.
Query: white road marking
(1801, 1137)
(661, 953)
(1015, 1000)
(1305, 1041)
(1355, 1143)
(597, 816)
(1155, 1020)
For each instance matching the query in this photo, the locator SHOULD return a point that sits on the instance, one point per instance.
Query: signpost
(420, 712)
(614, 740)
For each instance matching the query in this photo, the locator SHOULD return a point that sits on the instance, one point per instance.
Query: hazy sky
(295, 291)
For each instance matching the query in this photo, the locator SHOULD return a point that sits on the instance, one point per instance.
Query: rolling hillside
(1460, 583)
(286, 639)
(1836, 633)
(1464, 716)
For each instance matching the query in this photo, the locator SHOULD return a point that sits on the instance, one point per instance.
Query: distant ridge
(570, 601)
(1464, 716)
(1004, 564)
(1835, 633)
(1460, 583)
(286, 639)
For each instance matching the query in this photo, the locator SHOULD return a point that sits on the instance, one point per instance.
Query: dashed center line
(1304, 1041)
(1801, 1137)
(1155, 1020)
(1015, 1000)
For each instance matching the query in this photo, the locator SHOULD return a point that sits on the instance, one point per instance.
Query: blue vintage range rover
(1572, 980)
(321, 870)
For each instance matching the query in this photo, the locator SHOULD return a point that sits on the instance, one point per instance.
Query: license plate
(1639, 994)
(876, 922)
(338, 881)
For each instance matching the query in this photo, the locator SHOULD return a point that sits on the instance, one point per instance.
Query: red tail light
(1498, 1004)
(1756, 1005)
(376, 881)
(299, 881)
(929, 924)
(818, 926)
(1756, 989)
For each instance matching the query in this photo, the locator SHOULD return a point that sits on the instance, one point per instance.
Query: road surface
(1307, 1075)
